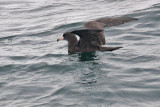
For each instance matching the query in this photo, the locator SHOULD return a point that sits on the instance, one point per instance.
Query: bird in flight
(92, 36)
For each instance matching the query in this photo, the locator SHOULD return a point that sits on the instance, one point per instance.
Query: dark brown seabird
(92, 37)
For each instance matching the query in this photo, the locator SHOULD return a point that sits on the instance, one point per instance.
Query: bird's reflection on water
(91, 64)
(84, 56)
(87, 56)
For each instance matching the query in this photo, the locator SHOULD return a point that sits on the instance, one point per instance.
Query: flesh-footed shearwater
(92, 37)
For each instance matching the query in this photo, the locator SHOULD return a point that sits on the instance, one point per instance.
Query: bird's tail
(109, 48)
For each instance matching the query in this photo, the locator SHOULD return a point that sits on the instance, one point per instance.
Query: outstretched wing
(89, 38)
(107, 22)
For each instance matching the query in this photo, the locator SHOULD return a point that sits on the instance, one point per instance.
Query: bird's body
(92, 37)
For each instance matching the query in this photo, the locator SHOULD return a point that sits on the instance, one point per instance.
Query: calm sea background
(36, 71)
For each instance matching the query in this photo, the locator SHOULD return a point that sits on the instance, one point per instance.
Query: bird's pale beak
(61, 38)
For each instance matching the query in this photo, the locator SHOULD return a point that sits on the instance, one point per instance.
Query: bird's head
(70, 37)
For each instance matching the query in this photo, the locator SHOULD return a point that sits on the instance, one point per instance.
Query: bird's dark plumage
(92, 37)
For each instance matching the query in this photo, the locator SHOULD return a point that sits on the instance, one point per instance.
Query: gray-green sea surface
(36, 71)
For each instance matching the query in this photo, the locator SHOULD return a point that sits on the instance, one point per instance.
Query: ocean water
(36, 71)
